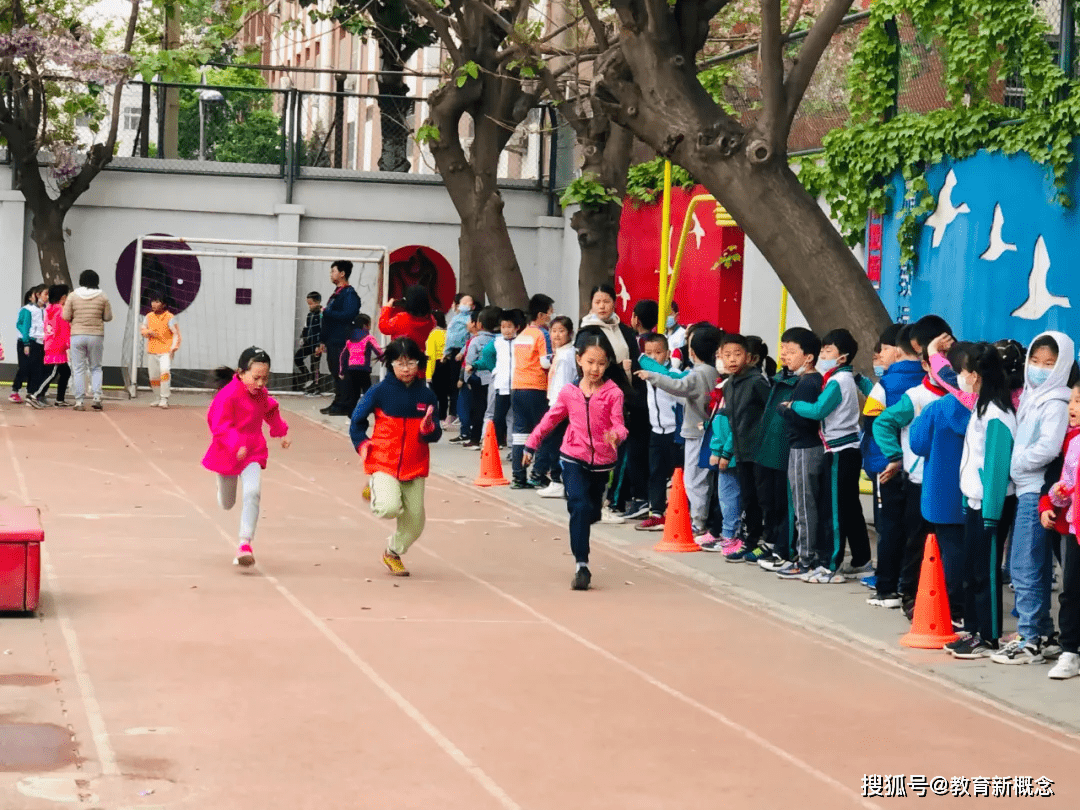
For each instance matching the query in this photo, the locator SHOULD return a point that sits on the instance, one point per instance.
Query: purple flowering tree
(53, 69)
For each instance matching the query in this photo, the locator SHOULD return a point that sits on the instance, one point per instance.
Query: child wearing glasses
(396, 454)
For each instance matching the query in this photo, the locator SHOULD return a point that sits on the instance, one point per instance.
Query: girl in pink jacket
(594, 407)
(57, 343)
(237, 447)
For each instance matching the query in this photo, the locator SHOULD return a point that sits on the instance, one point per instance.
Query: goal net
(227, 295)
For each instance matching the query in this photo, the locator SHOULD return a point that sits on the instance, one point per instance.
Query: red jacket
(398, 446)
(395, 323)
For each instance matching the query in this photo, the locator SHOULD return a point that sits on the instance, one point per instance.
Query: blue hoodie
(937, 435)
(898, 378)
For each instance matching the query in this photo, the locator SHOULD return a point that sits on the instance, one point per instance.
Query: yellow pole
(665, 249)
(783, 316)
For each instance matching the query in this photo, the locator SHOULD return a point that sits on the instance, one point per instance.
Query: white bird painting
(1039, 297)
(698, 231)
(624, 294)
(998, 245)
(945, 212)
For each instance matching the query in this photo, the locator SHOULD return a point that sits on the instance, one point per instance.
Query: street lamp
(205, 95)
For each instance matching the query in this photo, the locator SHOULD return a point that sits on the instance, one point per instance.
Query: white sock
(581, 565)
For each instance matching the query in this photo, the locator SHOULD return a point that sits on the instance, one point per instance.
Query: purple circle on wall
(176, 277)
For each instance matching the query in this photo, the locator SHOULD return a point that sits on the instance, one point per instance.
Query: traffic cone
(931, 627)
(678, 531)
(491, 471)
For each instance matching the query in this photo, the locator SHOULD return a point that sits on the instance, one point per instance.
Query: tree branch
(772, 85)
(598, 28)
(813, 47)
(441, 25)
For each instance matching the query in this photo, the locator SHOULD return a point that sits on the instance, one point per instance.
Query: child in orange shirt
(162, 340)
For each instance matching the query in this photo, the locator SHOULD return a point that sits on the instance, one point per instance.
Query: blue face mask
(879, 371)
(671, 323)
(825, 366)
(1037, 376)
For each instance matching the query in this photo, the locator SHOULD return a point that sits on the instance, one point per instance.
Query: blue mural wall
(999, 256)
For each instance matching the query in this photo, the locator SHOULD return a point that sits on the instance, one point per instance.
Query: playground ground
(156, 675)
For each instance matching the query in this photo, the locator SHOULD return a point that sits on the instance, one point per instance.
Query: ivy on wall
(980, 43)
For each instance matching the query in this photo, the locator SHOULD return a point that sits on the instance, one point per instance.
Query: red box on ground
(21, 536)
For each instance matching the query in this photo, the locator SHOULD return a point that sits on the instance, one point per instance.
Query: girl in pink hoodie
(589, 449)
(237, 447)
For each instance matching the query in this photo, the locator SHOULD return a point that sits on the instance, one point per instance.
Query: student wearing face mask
(984, 482)
(1042, 420)
(837, 408)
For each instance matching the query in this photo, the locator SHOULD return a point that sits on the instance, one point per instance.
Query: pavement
(157, 675)
(837, 611)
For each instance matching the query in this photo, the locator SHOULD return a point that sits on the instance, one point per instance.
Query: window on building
(131, 117)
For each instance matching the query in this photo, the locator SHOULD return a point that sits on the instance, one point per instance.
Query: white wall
(122, 205)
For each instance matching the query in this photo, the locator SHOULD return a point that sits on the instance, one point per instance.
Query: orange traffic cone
(931, 627)
(491, 472)
(678, 531)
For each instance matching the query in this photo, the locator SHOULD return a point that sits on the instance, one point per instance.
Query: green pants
(403, 500)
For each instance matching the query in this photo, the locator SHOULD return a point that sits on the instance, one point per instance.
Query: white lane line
(863, 649)
(413, 713)
(94, 717)
(671, 691)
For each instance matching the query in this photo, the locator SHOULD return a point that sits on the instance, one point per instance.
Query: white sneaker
(552, 490)
(164, 404)
(1067, 666)
(607, 516)
(809, 576)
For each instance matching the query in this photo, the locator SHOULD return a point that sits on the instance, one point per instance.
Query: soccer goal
(228, 294)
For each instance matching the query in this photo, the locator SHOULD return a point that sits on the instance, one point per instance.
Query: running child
(397, 454)
(237, 447)
(594, 408)
(162, 335)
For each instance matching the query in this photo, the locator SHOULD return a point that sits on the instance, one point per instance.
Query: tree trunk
(598, 237)
(47, 231)
(488, 264)
(652, 90)
(394, 109)
(606, 148)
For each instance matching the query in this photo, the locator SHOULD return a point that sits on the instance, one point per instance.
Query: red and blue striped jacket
(398, 447)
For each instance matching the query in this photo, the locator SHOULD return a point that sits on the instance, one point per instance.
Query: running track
(482, 681)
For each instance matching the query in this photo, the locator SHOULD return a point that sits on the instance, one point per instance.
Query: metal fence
(289, 133)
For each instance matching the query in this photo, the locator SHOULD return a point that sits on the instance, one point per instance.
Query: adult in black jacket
(337, 322)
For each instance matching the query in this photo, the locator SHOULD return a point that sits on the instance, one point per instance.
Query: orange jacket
(398, 446)
(532, 344)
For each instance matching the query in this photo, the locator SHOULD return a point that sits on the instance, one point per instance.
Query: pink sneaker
(245, 557)
(735, 551)
(708, 542)
(15, 398)
(728, 544)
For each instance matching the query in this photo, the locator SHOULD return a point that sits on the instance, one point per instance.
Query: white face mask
(825, 366)
(965, 384)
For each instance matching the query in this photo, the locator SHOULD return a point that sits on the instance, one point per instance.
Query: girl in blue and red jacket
(594, 406)
(396, 455)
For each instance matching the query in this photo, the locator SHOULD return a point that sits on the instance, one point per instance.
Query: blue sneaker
(869, 582)
(754, 555)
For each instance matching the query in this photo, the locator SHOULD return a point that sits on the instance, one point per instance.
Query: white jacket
(663, 410)
(1042, 420)
(562, 370)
